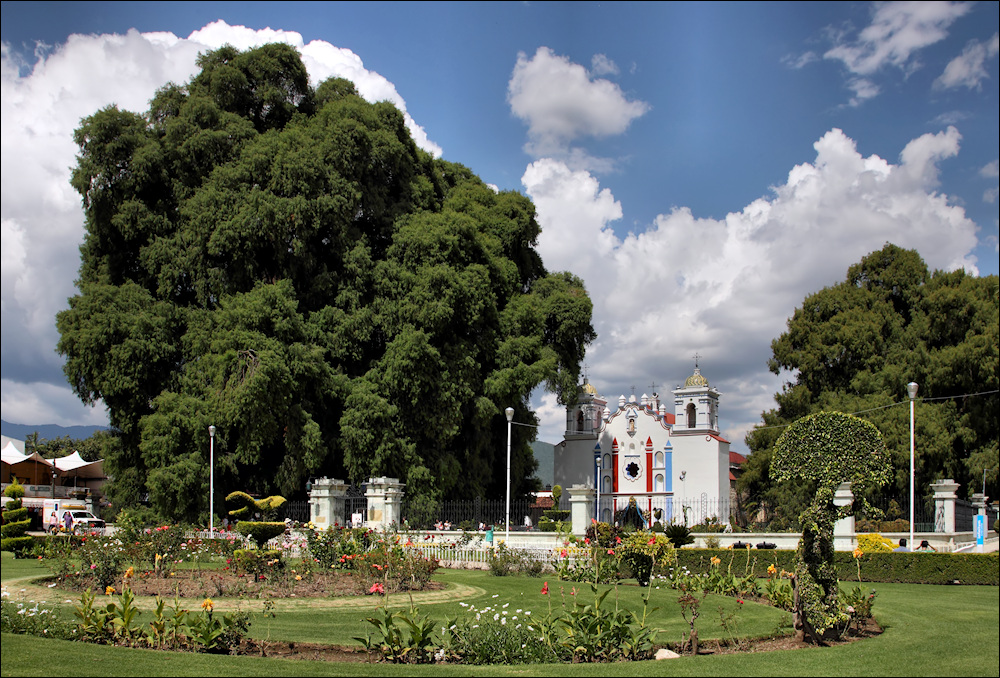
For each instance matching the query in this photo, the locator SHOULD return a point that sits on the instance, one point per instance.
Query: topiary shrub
(13, 535)
(874, 543)
(260, 533)
(826, 448)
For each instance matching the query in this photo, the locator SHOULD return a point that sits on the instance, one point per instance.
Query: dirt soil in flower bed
(222, 583)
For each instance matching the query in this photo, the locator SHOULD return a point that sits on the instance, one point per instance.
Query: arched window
(579, 421)
(658, 460)
(692, 415)
(658, 483)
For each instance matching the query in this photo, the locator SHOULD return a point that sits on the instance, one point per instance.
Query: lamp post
(911, 389)
(211, 481)
(510, 417)
(597, 483)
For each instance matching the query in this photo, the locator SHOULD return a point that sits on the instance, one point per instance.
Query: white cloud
(863, 89)
(40, 402)
(798, 61)
(562, 103)
(725, 287)
(969, 68)
(897, 32)
(600, 64)
(42, 219)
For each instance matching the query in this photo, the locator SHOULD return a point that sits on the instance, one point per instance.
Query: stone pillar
(326, 502)
(385, 502)
(843, 529)
(944, 505)
(581, 507)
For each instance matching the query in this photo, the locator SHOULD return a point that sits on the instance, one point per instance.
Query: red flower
(651, 541)
(545, 589)
(611, 552)
(739, 601)
(586, 540)
(377, 588)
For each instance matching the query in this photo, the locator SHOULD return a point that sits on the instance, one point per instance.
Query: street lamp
(211, 481)
(911, 389)
(510, 417)
(597, 482)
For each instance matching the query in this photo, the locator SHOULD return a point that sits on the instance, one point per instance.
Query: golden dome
(696, 379)
(588, 388)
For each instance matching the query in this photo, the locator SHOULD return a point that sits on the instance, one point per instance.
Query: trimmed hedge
(902, 568)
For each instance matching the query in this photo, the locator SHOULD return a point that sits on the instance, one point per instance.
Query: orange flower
(858, 553)
(109, 591)
(208, 605)
(771, 569)
(716, 560)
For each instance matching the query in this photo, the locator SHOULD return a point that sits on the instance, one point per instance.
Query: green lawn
(930, 630)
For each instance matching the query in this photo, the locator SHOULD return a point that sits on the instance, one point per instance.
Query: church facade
(668, 455)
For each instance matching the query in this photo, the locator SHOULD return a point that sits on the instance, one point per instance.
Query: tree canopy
(854, 346)
(285, 264)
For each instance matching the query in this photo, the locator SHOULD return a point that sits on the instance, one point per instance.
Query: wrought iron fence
(471, 514)
(298, 511)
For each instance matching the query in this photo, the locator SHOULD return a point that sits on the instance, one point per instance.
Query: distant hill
(545, 454)
(48, 431)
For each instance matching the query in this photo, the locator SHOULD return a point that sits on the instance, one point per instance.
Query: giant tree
(855, 345)
(284, 263)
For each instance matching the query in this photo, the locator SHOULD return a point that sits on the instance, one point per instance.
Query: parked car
(85, 521)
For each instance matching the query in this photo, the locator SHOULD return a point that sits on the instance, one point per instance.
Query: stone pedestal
(326, 502)
(581, 507)
(944, 505)
(843, 529)
(385, 502)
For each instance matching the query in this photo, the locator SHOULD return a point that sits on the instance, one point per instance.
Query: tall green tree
(854, 346)
(285, 264)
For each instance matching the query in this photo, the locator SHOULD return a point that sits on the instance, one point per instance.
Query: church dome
(589, 388)
(696, 379)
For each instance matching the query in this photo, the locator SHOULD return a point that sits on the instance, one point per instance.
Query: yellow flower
(129, 572)
(716, 560)
(858, 553)
(207, 604)
(109, 591)
(771, 569)
(298, 577)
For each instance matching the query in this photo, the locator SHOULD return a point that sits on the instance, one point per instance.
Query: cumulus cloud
(562, 102)
(42, 219)
(725, 287)
(897, 32)
(968, 69)
(991, 171)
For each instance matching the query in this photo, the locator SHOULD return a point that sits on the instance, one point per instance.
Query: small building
(668, 455)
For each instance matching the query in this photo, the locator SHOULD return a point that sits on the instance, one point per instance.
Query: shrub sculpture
(826, 448)
(269, 508)
(15, 521)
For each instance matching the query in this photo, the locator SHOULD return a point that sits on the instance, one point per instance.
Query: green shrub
(505, 561)
(641, 551)
(679, 535)
(902, 568)
(257, 562)
(13, 535)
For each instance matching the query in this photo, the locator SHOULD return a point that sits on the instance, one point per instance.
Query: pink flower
(611, 552)
(377, 588)
(564, 553)
(586, 540)
(545, 589)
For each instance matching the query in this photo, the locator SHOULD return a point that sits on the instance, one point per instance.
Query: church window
(658, 460)
(632, 470)
(579, 421)
(658, 483)
(692, 416)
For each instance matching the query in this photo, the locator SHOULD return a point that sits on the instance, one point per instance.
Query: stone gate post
(385, 502)
(326, 502)
(581, 507)
(843, 529)
(945, 494)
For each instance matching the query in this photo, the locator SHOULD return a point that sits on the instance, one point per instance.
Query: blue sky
(703, 166)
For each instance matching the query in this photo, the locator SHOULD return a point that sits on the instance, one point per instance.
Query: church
(674, 463)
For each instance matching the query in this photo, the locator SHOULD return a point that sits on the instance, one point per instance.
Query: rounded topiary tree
(827, 448)
(15, 521)
(245, 510)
